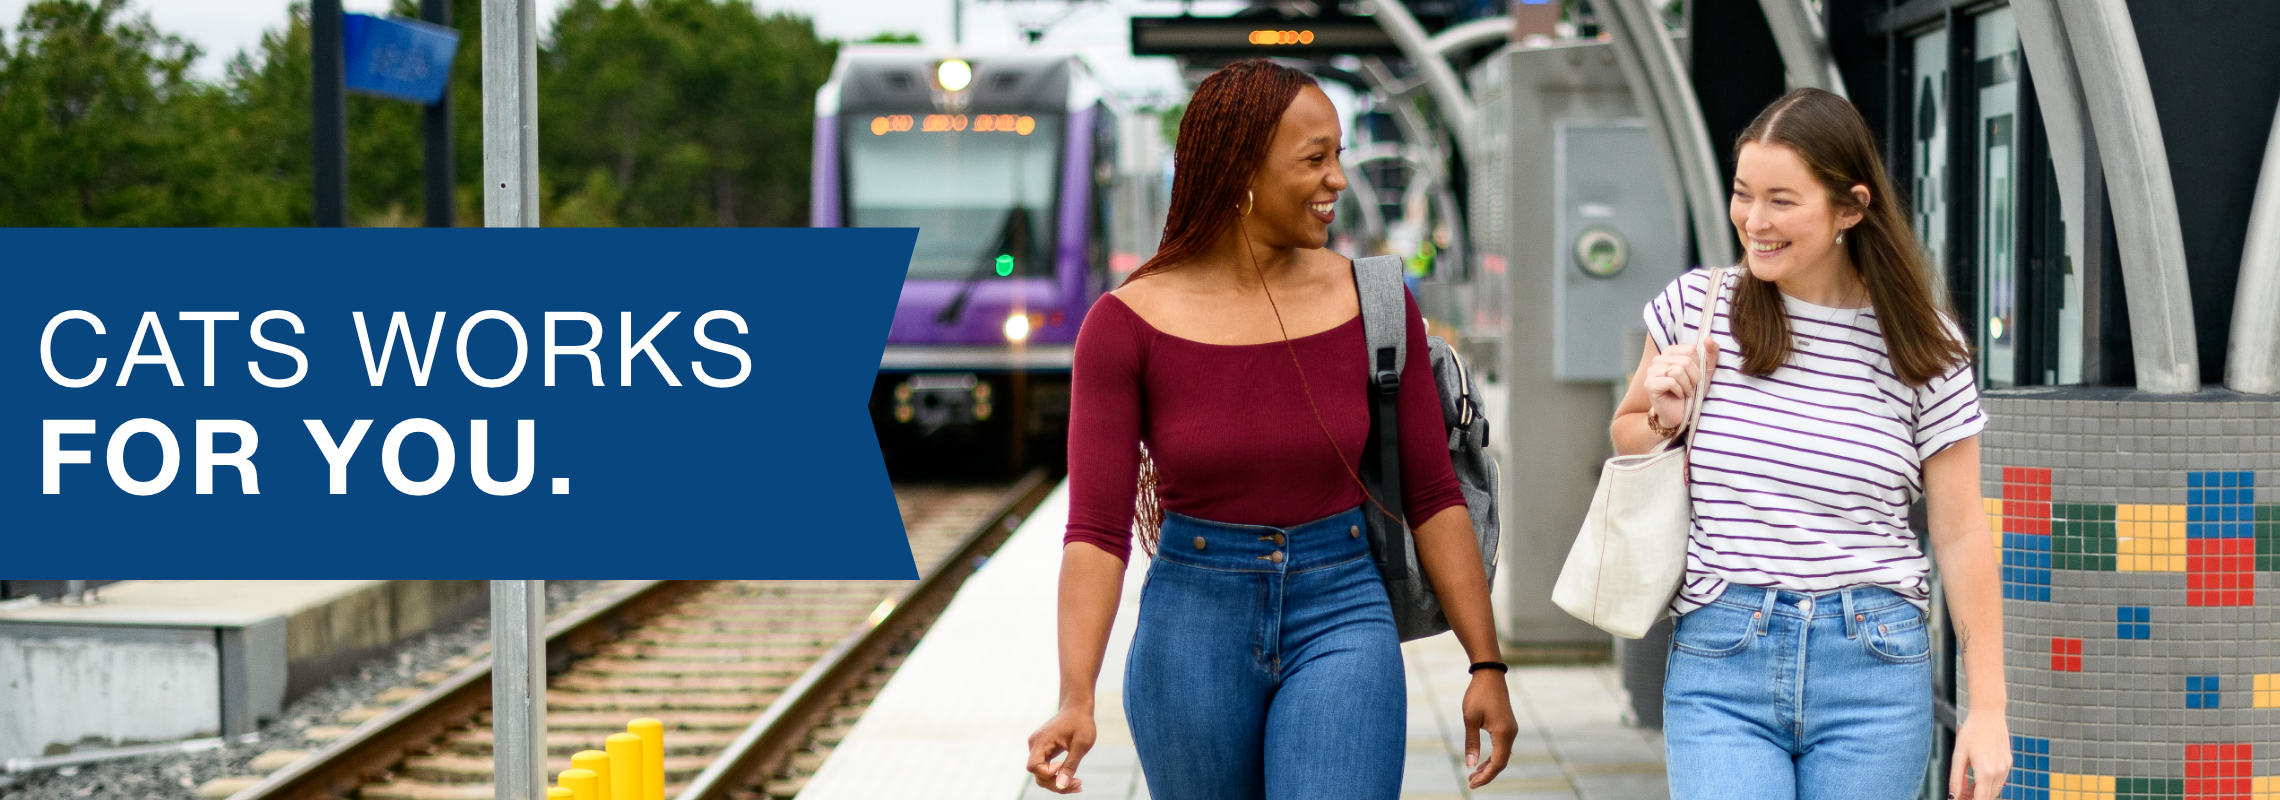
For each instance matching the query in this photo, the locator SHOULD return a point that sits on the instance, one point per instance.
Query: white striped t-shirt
(1802, 479)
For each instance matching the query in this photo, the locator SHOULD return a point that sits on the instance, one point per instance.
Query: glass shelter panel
(1995, 46)
(1928, 151)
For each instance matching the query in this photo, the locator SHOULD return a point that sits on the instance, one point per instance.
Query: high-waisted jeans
(1266, 665)
(1773, 695)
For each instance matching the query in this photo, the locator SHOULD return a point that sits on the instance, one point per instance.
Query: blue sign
(447, 403)
(398, 58)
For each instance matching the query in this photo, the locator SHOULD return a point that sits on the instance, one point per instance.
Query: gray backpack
(1416, 611)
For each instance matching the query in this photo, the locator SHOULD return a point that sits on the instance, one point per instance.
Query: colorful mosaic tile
(2217, 771)
(2030, 770)
(2188, 494)
(2267, 530)
(2132, 622)
(2201, 691)
(2148, 789)
(2220, 538)
(2065, 655)
(2081, 787)
(2149, 538)
(2082, 537)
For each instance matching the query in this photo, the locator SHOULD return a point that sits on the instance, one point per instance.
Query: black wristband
(1495, 665)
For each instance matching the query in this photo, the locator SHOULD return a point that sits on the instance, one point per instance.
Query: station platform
(166, 660)
(954, 722)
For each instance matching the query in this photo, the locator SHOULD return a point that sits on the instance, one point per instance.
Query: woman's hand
(1672, 376)
(1071, 732)
(1983, 753)
(1488, 705)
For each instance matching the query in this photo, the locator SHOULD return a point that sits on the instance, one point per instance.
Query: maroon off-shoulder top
(1230, 429)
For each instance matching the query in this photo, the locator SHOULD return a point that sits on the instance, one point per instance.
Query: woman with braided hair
(1265, 663)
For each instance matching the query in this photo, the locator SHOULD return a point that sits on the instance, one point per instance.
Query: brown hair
(1828, 134)
(1223, 138)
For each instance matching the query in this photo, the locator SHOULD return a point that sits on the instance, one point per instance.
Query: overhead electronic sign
(1259, 36)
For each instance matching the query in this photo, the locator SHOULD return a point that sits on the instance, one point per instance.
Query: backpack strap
(1378, 284)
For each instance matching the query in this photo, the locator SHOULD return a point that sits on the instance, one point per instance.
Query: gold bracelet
(1654, 424)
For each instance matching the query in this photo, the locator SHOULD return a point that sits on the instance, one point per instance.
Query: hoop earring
(1244, 210)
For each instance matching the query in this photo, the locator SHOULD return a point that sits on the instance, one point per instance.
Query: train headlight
(954, 75)
(1016, 327)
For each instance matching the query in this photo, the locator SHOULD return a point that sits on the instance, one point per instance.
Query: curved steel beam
(1486, 30)
(2252, 363)
(1440, 80)
(1804, 45)
(1652, 66)
(2144, 199)
(1365, 192)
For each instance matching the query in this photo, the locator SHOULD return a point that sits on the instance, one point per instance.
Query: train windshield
(979, 189)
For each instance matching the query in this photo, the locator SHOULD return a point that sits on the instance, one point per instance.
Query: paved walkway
(1572, 743)
(954, 721)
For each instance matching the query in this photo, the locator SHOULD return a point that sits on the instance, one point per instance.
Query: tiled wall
(2140, 541)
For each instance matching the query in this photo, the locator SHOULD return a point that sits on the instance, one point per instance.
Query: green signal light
(1004, 266)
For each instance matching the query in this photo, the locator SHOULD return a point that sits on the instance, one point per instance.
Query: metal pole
(518, 689)
(2128, 132)
(328, 108)
(1804, 45)
(2254, 363)
(1441, 81)
(441, 167)
(510, 113)
(1658, 78)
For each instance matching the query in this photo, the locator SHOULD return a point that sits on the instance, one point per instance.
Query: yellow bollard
(559, 793)
(580, 782)
(597, 762)
(625, 766)
(652, 733)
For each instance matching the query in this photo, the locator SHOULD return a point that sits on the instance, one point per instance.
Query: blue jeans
(1265, 665)
(1774, 695)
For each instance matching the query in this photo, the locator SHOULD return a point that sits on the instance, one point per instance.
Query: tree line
(651, 113)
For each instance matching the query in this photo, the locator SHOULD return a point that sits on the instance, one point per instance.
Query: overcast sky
(1096, 27)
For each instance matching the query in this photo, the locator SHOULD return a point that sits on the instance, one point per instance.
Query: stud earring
(1249, 200)
(1840, 237)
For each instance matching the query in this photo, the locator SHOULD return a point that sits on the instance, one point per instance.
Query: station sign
(448, 403)
(398, 58)
(1245, 37)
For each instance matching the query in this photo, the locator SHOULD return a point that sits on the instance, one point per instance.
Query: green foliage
(652, 112)
(892, 37)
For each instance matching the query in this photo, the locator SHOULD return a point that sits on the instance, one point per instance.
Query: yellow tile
(2060, 780)
(2106, 783)
(2173, 514)
(2264, 682)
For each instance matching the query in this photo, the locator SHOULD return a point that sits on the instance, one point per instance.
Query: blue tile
(2194, 478)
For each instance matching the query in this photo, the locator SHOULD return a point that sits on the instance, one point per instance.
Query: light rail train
(1003, 163)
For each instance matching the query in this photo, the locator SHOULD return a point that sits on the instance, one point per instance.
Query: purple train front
(999, 161)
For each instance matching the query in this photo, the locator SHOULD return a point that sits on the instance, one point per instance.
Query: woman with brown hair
(1265, 663)
(1838, 392)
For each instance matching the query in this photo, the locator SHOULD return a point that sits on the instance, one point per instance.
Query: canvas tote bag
(1631, 554)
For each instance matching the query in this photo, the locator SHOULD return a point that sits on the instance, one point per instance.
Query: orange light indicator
(1281, 37)
(954, 123)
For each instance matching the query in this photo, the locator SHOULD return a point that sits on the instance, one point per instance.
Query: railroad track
(755, 681)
